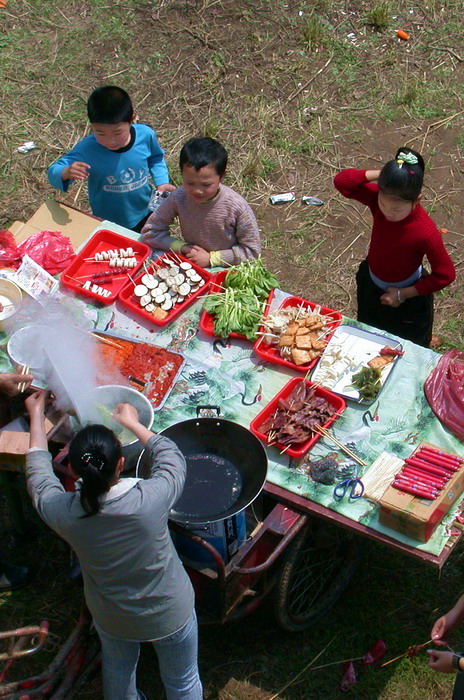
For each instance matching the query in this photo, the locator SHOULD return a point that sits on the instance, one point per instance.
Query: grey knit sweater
(226, 223)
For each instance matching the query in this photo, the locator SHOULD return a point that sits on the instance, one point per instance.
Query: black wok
(226, 469)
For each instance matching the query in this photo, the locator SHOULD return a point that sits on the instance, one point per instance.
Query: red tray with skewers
(84, 269)
(292, 412)
(271, 353)
(196, 277)
(207, 320)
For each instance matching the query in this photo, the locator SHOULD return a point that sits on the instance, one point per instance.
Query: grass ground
(295, 90)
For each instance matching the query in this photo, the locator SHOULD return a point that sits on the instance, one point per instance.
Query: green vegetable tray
(206, 322)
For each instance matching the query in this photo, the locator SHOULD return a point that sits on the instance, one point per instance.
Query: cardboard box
(418, 517)
(54, 216)
(13, 446)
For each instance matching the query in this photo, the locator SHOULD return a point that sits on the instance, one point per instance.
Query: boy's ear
(135, 118)
(221, 177)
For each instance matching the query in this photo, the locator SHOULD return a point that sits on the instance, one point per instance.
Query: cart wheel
(317, 568)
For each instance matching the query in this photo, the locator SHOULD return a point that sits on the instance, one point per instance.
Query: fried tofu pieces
(301, 339)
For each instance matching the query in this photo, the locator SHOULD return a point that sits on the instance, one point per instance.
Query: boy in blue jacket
(116, 160)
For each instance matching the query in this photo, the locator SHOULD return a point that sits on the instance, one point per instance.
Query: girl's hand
(199, 256)
(392, 297)
(441, 661)
(75, 171)
(372, 175)
(126, 415)
(35, 403)
(166, 188)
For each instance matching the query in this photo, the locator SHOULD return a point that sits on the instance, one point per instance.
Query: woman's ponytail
(94, 453)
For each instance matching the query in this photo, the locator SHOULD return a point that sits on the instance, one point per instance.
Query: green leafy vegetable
(239, 308)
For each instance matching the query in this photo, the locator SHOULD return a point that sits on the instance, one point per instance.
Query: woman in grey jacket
(134, 583)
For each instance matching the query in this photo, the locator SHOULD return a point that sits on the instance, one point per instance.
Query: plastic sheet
(50, 249)
(444, 389)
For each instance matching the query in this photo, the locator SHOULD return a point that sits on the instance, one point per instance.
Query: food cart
(302, 544)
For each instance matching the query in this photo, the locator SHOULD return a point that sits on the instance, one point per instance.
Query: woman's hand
(35, 403)
(441, 661)
(126, 415)
(10, 381)
(440, 631)
(199, 256)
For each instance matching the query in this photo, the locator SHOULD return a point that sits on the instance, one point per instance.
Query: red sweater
(397, 248)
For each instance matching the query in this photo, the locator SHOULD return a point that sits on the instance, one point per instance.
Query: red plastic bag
(50, 249)
(444, 389)
(9, 253)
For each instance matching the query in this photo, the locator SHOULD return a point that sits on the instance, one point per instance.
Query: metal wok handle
(208, 408)
(293, 530)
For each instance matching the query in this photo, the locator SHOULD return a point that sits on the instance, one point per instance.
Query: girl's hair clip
(408, 158)
(94, 461)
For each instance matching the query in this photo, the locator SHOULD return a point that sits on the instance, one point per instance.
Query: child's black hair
(109, 105)
(94, 453)
(403, 179)
(201, 151)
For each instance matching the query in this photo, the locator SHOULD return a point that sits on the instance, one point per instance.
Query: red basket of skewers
(291, 420)
(295, 335)
(103, 266)
(165, 288)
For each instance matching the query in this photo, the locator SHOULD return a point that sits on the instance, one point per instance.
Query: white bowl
(108, 396)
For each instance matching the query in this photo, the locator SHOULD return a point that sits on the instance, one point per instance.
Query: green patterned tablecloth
(228, 374)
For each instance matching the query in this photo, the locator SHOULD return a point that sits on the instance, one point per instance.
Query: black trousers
(458, 693)
(412, 320)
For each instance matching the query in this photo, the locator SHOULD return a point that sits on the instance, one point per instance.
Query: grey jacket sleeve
(45, 489)
(168, 468)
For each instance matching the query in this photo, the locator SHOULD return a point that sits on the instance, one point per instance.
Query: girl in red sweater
(394, 291)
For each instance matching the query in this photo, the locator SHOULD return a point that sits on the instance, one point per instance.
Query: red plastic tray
(129, 300)
(335, 401)
(100, 241)
(271, 353)
(207, 320)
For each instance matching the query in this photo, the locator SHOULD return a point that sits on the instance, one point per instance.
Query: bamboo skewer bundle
(380, 475)
(325, 433)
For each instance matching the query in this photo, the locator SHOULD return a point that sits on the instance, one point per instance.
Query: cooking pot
(226, 468)
(101, 403)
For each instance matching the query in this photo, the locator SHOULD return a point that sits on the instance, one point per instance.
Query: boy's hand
(10, 381)
(126, 415)
(35, 403)
(166, 188)
(199, 256)
(75, 171)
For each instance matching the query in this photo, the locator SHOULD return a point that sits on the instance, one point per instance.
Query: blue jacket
(118, 182)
